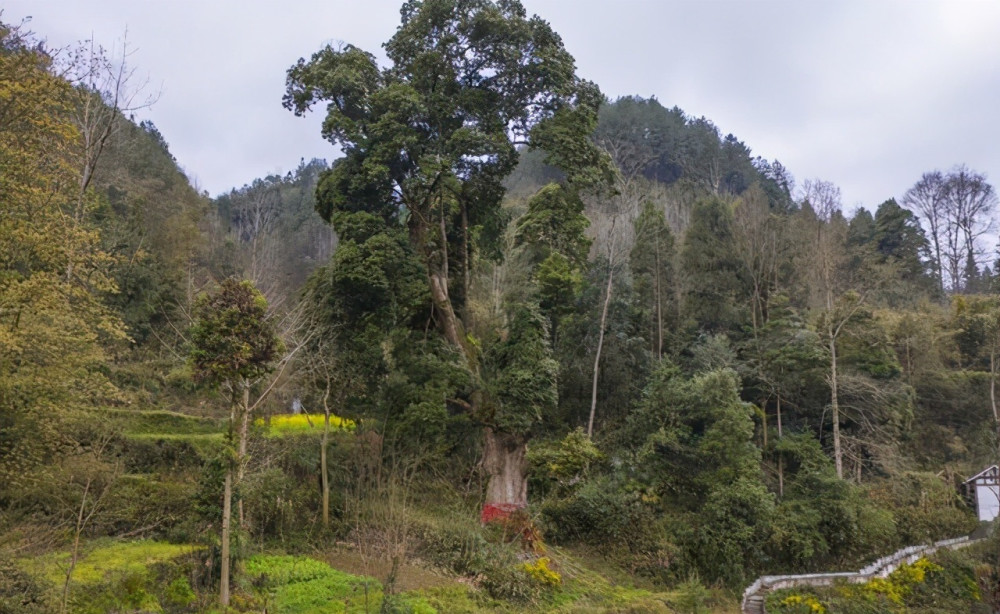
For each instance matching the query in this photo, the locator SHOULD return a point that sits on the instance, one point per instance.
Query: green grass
(151, 425)
(205, 444)
(139, 576)
(100, 558)
(141, 421)
(302, 585)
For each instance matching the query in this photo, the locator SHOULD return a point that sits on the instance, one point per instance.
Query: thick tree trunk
(505, 462)
(504, 456)
(597, 355)
(227, 500)
(450, 325)
(436, 261)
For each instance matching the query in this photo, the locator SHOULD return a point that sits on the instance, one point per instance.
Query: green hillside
(519, 348)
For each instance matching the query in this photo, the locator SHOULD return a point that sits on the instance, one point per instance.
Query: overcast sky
(867, 94)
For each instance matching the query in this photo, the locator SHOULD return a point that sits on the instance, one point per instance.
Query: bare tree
(957, 208)
(323, 366)
(612, 221)
(294, 335)
(379, 502)
(926, 199)
(93, 478)
(970, 204)
(106, 88)
(757, 240)
(613, 226)
(255, 213)
(834, 286)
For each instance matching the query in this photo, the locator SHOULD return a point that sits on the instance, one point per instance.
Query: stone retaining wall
(879, 569)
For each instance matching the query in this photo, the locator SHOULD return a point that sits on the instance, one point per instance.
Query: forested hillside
(519, 348)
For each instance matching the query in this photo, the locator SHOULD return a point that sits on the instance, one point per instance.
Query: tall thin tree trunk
(227, 500)
(779, 417)
(659, 306)
(937, 253)
(466, 264)
(241, 457)
(437, 278)
(781, 460)
(993, 388)
(835, 407)
(600, 346)
(763, 412)
(325, 473)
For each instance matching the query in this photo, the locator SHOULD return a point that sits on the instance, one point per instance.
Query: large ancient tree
(428, 140)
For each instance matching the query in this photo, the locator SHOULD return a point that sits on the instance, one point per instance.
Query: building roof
(989, 472)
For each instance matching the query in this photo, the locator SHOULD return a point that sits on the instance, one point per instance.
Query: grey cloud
(866, 94)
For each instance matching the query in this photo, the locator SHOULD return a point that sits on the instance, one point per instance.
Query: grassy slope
(139, 574)
(339, 582)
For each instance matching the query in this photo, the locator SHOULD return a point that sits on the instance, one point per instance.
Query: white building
(983, 489)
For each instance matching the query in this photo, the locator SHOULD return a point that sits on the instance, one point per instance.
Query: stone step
(754, 605)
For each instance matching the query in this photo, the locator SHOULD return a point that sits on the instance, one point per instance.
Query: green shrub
(459, 545)
(598, 513)
(560, 465)
(179, 593)
(155, 453)
(510, 583)
(951, 586)
(296, 584)
(605, 514)
(142, 576)
(128, 508)
(19, 592)
(691, 597)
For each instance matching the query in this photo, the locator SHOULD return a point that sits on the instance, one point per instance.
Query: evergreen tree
(233, 345)
(428, 142)
(711, 274)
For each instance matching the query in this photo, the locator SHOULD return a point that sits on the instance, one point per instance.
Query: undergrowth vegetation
(117, 576)
(947, 582)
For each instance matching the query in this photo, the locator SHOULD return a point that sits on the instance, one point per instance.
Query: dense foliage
(604, 324)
